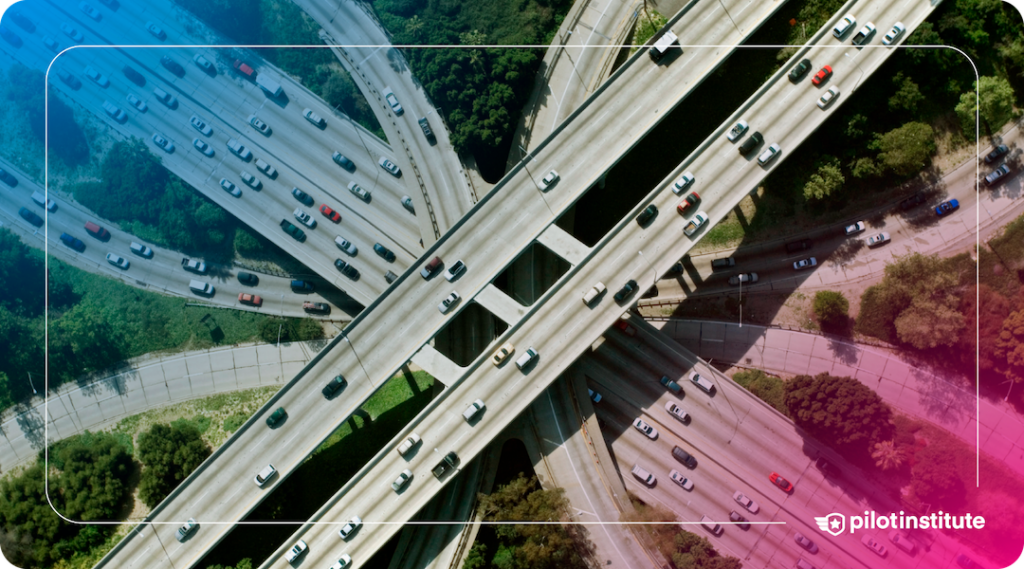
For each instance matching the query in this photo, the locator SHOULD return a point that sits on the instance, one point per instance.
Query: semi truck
(269, 84)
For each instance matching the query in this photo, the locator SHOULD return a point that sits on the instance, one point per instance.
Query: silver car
(402, 480)
(345, 245)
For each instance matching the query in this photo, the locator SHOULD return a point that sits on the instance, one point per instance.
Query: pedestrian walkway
(916, 392)
(145, 383)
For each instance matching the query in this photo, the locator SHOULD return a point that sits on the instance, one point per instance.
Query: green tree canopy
(169, 453)
(26, 88)
(831, 308)
(907, 149)
(908, 94)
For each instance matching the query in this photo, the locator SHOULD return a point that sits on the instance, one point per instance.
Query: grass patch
(724, 234)
(647, 25)
(767, 388)
(232, 423)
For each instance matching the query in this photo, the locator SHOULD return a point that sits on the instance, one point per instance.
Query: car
(317, 307)
(250, 299)
(681, 480)
(264, 476)
(427, 132)
(682, 183)
(384, 253)
(75, 35)
(502, 353)
(743, 278)
(229, 187)
(647, 215)
(799, 70)
(302, 286)
(202, 147)
(141, 250)
(162, 141)
(746, 502)
(133, 75)
(157, 32)
(304, 218)
(115, 112)
(69, 79)
(410, 441)
(302, 196)
(594, 396)
(341, 160)
(314, 118)
(136, 102)
(646, 429)
(894, 34)
(350, 527)
(200, 125)
(864, 35)
(69, 240)
(677, 412)
(51, 44)
(751, 143)
(172, 66)
(769, 154)
(259, 125)
(901, 541)
(737, 130)
(453, 272)
(276, 417)
(186, 529)
(359, 192)
(966, 562)
(12, 182)
(250, 180)
(844, 25)
(238, 149)
(193, 266)
(805, 263)
(346, 269)
(996, 153)
(876, 240)
(296, 550)
(88, 10)
(782, 483)
(448, 302)
(333, 386)
(345, 245)
(826, 467)
(11, 37)
(822, 75)
(997, 175)
(330, 213)
(96, 77)
(392, 100)
(627, 289)
(854, 228)
(248, 278)
(625, 327)
(827, 97)
(549, 180)
(402, 480)
(22, 22)
(947, 207)
(296, 233)
(407, 204)
(118, 261)
(204, 64)
(738, 520)
(266, 168)
(805, 543)
(343, 562)
(912, 202)
(873, 544)
(389, 167)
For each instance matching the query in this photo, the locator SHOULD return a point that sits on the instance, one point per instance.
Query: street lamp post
(34, 392)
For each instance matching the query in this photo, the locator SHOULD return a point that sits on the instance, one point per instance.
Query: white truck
(663, 45)
(269, 84)
(698, 220)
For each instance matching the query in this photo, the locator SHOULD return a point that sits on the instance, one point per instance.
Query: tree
(908, 94)
(1009, 347)
(839, 411)
(831, 308)
(992, 100)
(25, 87)
(169, 453)
(994, 308)
(827, 180)
(935, 477)
(905, 150)
(887, 455)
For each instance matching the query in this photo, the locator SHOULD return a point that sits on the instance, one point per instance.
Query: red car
(822, 75)
(250, 299)
(781, 482)
(330, 213)
(689, 200)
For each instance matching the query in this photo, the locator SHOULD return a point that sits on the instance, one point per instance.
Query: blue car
(947, 207)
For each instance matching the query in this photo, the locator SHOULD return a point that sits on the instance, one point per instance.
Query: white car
(894, 34)
(804, 263)
(827, 97)
(97, 77)
(448, 302)
(304, 218)
(312, 117)
(89, 11)
(681, 480)
(230, 187)
(345, 245)
(402, 480)
(551, 178)
(746, 502)
(677, 412)
(118, 261)
(51, 44)
(250, 180)
(72, 33)
(392, 100)
(453, 272)
(203, 63)
(263, 476)
(349, 527)
(844, 26)
(258, 124)
(410, 441)
(298, 549)
(343, 563)
(769, 154)
(155, 30)
(737, 131)
(238, 150)
(200, 125)
(136, 102)
(389, 166)
(202, 147)
(358, 191)
(682, 183)
(876, 240)
(162, 141)
(646, 429)
(854, 228)
(265, 168)
(873, 544)
(407, 204)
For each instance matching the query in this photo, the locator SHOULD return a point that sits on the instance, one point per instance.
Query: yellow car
(503, 353)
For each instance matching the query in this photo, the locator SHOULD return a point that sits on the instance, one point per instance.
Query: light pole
(653, 270)
(34, 392)
(526, 165)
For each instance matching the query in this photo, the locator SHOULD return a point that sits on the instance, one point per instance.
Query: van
(97, 231)
(710, 525)
(901, 541)
(643, 475)
(593, 293)
(166, 98)
(40, 199)
(430, 268)
(473, 410)
(527, 357)
(199, 287)
(684, 457)
(702, 382)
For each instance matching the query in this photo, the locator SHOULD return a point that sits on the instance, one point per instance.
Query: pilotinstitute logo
(835, 523)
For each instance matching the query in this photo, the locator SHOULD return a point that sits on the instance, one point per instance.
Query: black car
(73, 242)
(31, 217)
(912, 202)
(684, 457)
(826, 467)
(134, 76)
(296, 233)
(276, 417)
(797, 246)
(427, 132)
(751, 143)
(799, 70)
(302, 197)
(723, 263)
(734, 516)
(346, 269)
(69, 79)
(11, 37)
(333, 386)
(647, 215)
(343, 161)
(172, 66)
(385, 253)
(248, 278)
(627, 289)
(302, 286)
(996, 153)
(8, 178)
(23, 22)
